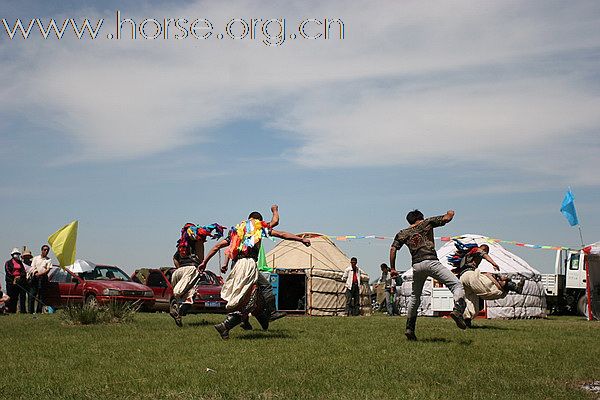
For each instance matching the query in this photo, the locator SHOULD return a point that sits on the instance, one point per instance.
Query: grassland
(299, 358)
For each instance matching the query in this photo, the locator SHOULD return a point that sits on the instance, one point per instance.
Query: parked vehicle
(206, 300)
(566, 288)
(102, 285)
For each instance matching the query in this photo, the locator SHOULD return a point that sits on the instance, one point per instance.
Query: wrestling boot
(262, 313)
(174, 313)
(273, 313)
(468, 323)
(411, 324)
(184, 309)
(457, 313)
(516, 287)
(271, 306)
(246, 324)
(230, 322)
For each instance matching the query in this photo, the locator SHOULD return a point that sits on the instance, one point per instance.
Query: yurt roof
(322, 254)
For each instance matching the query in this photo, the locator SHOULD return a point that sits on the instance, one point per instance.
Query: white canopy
(80, 266)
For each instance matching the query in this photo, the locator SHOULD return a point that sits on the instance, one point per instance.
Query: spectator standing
(389, 288)
(3, 302)
(351, 278)
(26, 257)
(38, 279)
(15, 281)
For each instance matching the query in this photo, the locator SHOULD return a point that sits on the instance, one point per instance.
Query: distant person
(3, 302)
(351, 279)
(26, 257)
(418, 237)
(484, 285)
(15, 276)
(38, 279)
(389, 288)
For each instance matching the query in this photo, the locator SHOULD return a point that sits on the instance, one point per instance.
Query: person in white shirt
(38, 277)
(351, 279)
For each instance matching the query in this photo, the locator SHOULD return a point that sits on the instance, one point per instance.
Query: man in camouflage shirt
(418, 237)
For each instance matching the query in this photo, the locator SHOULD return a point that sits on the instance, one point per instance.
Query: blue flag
(568, 208)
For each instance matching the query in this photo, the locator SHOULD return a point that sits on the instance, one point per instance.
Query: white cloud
(413, 82)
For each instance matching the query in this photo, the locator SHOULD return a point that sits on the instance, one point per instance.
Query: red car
(208, 290)
(102, 285)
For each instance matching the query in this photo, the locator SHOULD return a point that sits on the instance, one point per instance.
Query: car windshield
(105, 273)
(208, 278)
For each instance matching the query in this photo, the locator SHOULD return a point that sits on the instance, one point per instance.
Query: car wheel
(91, 301)
(582, 306)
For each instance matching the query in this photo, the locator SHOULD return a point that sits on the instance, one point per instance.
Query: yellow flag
(63, 243)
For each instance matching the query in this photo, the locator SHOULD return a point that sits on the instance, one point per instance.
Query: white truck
(566, 288)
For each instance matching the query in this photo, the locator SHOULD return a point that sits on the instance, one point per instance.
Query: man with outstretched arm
(418, 237)
(242, 289)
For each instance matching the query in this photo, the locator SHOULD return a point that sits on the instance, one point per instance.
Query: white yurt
(530, 304)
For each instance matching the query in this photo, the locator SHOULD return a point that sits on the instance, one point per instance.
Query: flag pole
(581, 236)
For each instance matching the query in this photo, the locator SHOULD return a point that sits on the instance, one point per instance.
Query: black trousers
(36, 295)
(17, 294)
(353, 300)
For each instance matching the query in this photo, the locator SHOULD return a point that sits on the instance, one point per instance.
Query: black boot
(174, 313)
(411, 324)
(246, 324)
(516, 287)
(230, 322)
(184, 309)
(457, 313)
(272, 310)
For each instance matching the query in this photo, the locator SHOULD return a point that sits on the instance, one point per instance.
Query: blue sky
(490, 109)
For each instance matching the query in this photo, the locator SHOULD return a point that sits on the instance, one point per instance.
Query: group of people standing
(25, 277)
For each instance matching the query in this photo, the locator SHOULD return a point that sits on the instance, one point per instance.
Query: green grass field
(299, 358)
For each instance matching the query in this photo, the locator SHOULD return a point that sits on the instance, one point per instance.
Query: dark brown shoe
(223, 331)
(174, 313)
(246, 325)
(458, 319)
(410, 335)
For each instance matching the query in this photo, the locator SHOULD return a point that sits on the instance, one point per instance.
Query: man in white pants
(420, 241)
(484, 285)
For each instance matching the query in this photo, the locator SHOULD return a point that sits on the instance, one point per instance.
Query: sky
(486, 108)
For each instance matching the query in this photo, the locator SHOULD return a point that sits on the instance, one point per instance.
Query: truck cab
(566, 288)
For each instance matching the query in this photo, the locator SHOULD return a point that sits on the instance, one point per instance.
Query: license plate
(212, 304)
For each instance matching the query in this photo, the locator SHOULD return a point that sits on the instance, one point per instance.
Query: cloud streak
(497, 84)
